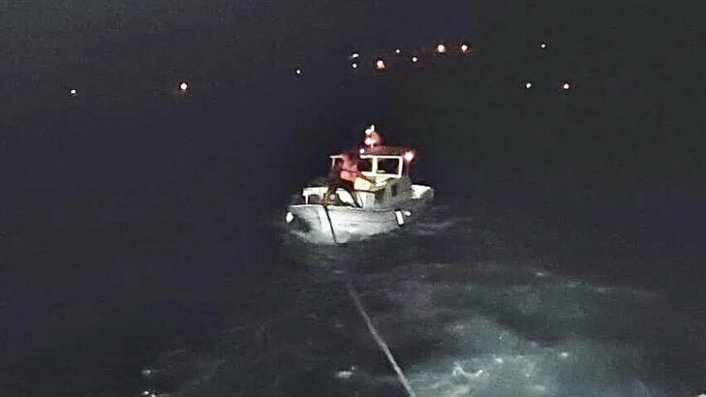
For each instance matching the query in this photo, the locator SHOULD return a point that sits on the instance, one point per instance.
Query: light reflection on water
(469, 308)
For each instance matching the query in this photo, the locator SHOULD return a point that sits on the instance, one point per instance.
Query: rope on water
(361, 310)
(381, 343)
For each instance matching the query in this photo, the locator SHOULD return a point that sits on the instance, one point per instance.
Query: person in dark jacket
(343, 175)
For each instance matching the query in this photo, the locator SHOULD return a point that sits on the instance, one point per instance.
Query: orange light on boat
(408, 156)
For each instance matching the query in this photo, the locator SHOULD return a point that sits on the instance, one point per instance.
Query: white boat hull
(319, 224)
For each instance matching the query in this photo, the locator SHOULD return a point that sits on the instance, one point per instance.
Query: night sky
(118, 52)
(634, 68)
(129, 155)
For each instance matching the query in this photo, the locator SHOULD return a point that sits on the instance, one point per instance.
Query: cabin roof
(381, 151)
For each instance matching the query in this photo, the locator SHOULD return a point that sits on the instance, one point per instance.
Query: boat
(385, 201)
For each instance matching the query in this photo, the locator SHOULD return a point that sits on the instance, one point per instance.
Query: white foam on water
(437, 220)
(345, 374)
(534, 336)
(489, 329)
(432, 228)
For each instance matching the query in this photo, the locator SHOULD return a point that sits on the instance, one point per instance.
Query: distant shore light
(183, 86)
(297, 72)
(354, 55)
(565, 86)
(415, 59)
(398, 51)
(543, 45)
(380, 64)
(354, 65)
(441, 49)
(528, 85)
(73, 92)
(465, 48)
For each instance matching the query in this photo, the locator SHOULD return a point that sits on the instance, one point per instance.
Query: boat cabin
(381, 163)
(387, 168)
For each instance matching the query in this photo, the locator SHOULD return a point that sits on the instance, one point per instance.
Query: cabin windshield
(365, 165)
(376, 165)
(388, 166)
(381, 166)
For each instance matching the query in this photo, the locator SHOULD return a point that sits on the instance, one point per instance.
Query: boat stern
(310, 222)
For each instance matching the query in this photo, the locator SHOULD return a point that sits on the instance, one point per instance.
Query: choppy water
(472, 301)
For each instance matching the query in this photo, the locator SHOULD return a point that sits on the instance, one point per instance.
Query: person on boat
(340, 177)
(346, 174)
(351, 173)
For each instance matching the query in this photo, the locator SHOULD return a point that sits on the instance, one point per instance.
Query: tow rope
(378, 339)
(369, 323)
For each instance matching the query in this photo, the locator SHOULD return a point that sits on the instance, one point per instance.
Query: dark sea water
(478, 298)
(142, 253)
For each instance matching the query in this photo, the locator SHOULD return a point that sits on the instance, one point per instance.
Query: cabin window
(365, 165)
(388, 166)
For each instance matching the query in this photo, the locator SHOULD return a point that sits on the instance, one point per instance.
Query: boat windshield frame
(375, 171)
